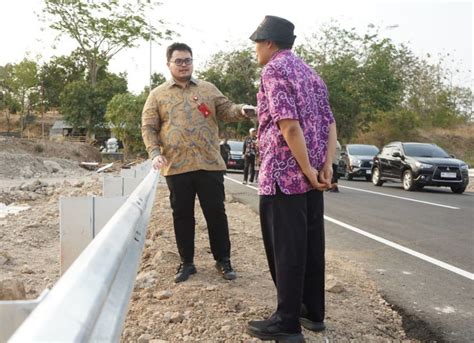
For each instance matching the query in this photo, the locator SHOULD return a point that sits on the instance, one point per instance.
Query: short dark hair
(179, 47)
(284, 45)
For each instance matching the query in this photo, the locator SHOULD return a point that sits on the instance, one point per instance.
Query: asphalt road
(417, 246)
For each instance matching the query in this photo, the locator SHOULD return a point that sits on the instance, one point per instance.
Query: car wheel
(348, 176)
(458, 189)
(408, 182)
(376, 180)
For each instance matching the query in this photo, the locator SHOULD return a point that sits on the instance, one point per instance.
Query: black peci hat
(274, 29)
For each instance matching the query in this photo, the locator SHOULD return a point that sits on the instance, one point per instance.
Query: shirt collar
(172, 82)
(280, 52)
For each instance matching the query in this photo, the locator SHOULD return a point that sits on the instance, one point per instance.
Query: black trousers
(293, 236)
(335, 175)
(209, 187)
(249, 164)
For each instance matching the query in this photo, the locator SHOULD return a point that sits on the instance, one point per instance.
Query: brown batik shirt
(181, 124)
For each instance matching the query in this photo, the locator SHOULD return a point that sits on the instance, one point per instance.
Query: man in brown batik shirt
(181, 134)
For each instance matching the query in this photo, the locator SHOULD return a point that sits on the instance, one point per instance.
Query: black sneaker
(184, 270)
(308, 323)
(312, 325)
(269, 330)
(225, 268)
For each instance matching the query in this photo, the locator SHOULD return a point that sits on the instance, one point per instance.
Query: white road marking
(446, 309)
(240, 183)
(403, 198)
(421, 256)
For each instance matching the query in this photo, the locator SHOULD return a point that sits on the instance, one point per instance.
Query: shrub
(38, 148)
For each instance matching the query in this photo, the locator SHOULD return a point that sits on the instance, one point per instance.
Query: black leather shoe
(311, 325)
(184, 270)
(269, 330)
(225, 268)
(308, 323)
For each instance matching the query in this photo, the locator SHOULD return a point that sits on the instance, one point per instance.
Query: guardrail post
(14, 312)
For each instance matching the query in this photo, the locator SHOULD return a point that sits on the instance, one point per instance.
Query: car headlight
(464, 167)
(355, 162)
(423, 165)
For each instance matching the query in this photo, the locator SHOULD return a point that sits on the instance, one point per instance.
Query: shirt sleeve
(151, 126)
(323, 102)
(280, 94)
(226, 110)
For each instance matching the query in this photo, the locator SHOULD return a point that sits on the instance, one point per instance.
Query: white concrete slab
(112, 186)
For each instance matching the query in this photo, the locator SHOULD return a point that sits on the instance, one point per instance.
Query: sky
(208, 26)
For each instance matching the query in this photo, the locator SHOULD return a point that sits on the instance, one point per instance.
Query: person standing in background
(250, 151)
(225, 151)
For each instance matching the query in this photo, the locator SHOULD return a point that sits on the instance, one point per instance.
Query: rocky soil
(206, 308)
(210, 309)
(22, 158)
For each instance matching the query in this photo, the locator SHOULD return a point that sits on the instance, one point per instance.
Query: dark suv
(418, 165)
(236, 161)
(356, 160)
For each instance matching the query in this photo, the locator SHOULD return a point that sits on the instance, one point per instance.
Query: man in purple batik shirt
(297, 140)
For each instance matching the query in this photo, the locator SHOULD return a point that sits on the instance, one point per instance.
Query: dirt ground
(208, 308)
(205, 308)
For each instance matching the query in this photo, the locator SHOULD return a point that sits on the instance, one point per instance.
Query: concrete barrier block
(81, 219)
(112, 186)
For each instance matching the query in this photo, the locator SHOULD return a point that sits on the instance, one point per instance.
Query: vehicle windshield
(236, 146)
(424, 150)
(366, 150)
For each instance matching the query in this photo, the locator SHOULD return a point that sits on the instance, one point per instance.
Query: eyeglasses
(180, 62)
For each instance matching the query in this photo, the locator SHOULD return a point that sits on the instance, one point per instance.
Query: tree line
(374, 84)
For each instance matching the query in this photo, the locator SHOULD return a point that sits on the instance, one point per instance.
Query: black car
(236, 161)
(418, 165)
(356, 160)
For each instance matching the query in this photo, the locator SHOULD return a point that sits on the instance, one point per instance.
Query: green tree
(370, 77)
(24, 85)
(124, 113)
(101, 28)
(342, 79)
(157, 79)
(381, 85)
(335, 53)
(399, 125)
(57, 73)
(84, 104)
(235, 74)
(8, 103)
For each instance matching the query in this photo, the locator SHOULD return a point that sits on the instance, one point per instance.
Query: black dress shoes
(270, 330)
(312, 325)
(309, 324)
(184, 270)
(225, 268)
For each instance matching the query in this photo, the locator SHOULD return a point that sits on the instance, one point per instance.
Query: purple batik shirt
(290, 89)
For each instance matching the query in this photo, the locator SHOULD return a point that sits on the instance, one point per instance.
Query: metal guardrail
(14, 312)
(89, 302)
